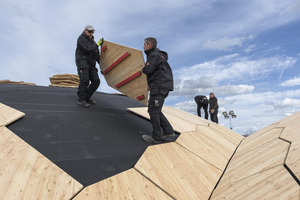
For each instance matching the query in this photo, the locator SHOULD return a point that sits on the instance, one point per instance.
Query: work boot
(165, 136)
(149, 138)
(91, 101)
(83, 104)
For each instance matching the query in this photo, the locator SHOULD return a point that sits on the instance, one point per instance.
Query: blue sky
(246, 52)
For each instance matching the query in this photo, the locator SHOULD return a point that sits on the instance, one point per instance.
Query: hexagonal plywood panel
(27, 174)
(275, 183)
(293, 159)
(185, 116)
(215, 150)
(256, 160)
(122, 69)
(126, 185)
(9, 115)
(179, 125)
(226, 133)
(291, 133)
(257, 139)
(179, 172)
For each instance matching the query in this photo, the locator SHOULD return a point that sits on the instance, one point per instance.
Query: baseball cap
(89, 27)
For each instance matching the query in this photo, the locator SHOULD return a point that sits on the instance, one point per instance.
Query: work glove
(100, 42)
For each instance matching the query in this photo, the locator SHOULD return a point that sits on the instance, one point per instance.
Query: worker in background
(160, 82)
(202, 102)
(213, 108)
(86, 56)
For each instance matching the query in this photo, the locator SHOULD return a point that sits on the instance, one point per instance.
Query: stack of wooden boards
(64, 80)
(16, 82)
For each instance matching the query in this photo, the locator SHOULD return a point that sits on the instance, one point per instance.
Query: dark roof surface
(90, 144)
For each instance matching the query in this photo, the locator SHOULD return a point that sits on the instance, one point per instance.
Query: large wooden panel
(275, 183)
(216, 151)
(290, 120)
(293, 158)
(230, 135)
(291, 133)
(218, 131)
(178, 171)
(9, 115)
(118, 63)
(255, 140)
(126, 185)
(178, 124)
(185, 115)
(27, 174)
(256, 160)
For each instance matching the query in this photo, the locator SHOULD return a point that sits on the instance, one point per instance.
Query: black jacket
(87, 52)
(213, 103)
(200, 99)
(158, 71)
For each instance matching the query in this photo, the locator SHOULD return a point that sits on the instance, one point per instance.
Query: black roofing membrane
(90, 144)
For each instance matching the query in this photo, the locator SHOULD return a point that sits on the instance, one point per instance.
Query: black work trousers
(86, 90)
(214, 116)
(205, 107)
(159, 122)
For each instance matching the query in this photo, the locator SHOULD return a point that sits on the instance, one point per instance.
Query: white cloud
(235, 67)
(224, 44)
(221, 75)
(292, 82)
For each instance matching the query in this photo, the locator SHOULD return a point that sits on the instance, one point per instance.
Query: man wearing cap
(86, 56)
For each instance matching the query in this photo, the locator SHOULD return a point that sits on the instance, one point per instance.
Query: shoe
(165, 136)
(149, 138)
(83, 104)
(91, 101)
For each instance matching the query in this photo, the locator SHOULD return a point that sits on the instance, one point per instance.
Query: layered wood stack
(16, 82)
(64, 80)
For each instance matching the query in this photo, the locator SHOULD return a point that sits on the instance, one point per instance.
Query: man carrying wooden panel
(160, 81)
(87, 54)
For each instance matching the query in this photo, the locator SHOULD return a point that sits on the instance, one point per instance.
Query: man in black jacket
(86, 56)
(160, 82)
(202, 102)
(213, 108)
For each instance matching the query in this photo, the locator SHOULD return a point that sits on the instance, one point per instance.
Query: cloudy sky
(246, 52)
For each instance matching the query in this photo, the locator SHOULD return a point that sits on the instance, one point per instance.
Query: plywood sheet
(293, 158)
(111, 55)
(185, 115)
(290, 120)
(275, 183)
(255, 140)
(27, 174)
(257, 160)
(222, 132)
(230, 135)
(216, 151)
(178, 171)
(178, 124)
(126, 185)
(291, 133)
(8, 115)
